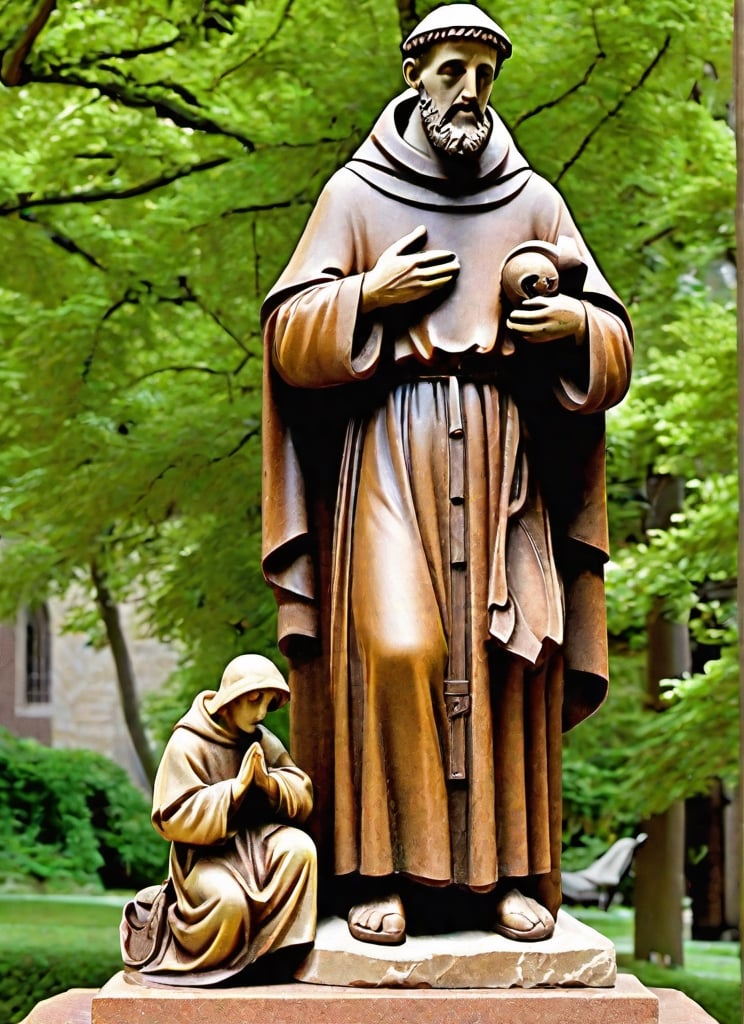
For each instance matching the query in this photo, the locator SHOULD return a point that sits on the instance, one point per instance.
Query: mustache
(471, 107)
(453, 139)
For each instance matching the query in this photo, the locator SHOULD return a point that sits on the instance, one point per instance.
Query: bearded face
(461, 130)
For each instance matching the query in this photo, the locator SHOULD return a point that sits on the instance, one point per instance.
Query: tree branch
(12, 71)
(175, 87)
(663, 233)
(241, 444)
(269, 39)
(614, 110)
(300, 200)
(246, 359)
(595, 29)
(63, 241)
(103, 195)
(171, 508)
(407, 17)
(129, 298)
(132, 94)
(187, 295)
(261, 207)
(247, 354)
(564, 95)
(178, 369)
(91, 60)
(124, 670)
(223, 327)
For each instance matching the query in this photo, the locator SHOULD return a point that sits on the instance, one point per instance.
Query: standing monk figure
(439, 353)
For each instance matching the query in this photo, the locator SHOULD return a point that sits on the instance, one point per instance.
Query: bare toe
(522, 918)
(381, 921)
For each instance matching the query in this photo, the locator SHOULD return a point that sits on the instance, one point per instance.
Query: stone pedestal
(576, 955)
(119, 1002)
(468, 976)
(122, 1001)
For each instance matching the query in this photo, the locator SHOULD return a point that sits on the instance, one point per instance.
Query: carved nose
(469, 87)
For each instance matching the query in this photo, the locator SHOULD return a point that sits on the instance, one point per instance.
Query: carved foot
(522, 918)
(381, 920)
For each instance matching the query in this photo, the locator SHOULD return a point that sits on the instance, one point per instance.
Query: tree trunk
(705, 862)
(124, 672)
(407, 17)
(11, 69)
(659, 887)
(659, 865)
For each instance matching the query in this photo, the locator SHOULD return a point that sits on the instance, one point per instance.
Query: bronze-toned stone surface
(434, 523)
(242, 874)
(576, 955)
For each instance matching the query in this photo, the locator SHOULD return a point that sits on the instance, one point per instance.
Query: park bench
(598, 883)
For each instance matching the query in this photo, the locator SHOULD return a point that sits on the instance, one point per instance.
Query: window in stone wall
(38, 680)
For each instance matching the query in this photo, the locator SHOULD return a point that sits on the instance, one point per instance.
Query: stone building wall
(84, 710)
(16, 713)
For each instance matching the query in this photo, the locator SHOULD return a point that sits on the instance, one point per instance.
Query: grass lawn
(60, 920)
(711, 972)
(52, 943)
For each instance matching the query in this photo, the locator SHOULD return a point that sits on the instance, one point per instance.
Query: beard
(448, 138)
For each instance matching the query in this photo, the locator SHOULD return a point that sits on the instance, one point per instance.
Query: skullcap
(456, 21)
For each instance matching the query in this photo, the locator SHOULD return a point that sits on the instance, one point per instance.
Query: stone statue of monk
(434, 503)
(242, 875)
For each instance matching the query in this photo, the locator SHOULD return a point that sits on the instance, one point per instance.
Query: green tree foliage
(596, 807)
(160, 161)
(682, 421)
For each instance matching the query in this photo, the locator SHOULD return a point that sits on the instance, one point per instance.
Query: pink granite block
(123, 1000)
(75, 1007)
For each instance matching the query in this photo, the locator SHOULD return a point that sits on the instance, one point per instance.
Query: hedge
(28, 977)
(71, 818)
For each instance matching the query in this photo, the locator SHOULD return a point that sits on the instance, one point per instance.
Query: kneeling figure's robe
(242, 878)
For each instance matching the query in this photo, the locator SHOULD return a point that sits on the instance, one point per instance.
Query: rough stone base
(121, 1001)
(576, 955)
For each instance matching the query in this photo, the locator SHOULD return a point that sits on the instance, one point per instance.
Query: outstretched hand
(548, 318)
(405, 272)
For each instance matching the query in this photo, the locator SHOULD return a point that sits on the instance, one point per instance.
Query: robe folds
(242, 880)
(434, 518)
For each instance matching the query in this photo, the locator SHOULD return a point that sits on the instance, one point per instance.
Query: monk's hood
(392, 166)
(198, 720)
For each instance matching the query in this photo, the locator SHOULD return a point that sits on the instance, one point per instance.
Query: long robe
(462, 471)
(242, 880)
